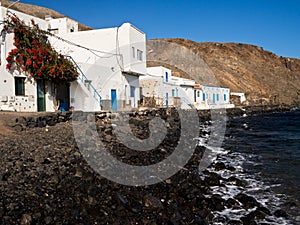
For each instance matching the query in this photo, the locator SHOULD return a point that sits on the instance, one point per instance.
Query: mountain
(38, 11)
(264, 77)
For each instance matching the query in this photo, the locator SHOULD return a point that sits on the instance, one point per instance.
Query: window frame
(18, 91)
(139, 54)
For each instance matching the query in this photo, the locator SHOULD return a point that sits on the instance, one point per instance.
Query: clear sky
(271, 24)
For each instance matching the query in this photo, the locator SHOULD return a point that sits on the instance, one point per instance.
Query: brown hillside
(262, 75)
(38, 11)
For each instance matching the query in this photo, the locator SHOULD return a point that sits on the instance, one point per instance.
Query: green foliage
(34, 55)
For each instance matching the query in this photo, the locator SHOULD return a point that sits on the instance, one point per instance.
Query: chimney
(49, 17)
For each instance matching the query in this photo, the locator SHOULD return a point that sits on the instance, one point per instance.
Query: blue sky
(271, 24)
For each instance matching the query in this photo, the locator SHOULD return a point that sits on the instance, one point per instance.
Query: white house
(168, 90)
(17, 91)
(213, 97)
(109, 62)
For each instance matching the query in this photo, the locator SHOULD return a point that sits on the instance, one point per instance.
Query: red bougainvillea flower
(9, 59)
(34, 55)
(28, 62)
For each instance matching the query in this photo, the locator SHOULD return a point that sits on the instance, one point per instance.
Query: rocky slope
(45, 180)
(263, 76)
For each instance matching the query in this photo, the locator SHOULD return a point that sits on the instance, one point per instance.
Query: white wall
(216, 97)
(61, 25)
(160, 83)
(103, 60)
(28, 102)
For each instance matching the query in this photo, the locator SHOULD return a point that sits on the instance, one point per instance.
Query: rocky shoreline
(45, 180)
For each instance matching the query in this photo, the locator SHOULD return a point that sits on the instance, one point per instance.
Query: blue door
(167, 99)
(114, 105)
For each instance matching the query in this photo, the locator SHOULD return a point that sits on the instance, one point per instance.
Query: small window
(203, 97)
(133, 52)
(218, 97)
(19, 86)
(225, 97)
(139, 55)
(198, 94)
(173, 92)
(132, 91)
(167, 77)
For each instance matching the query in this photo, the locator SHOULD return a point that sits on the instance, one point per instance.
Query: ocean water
(265, 149)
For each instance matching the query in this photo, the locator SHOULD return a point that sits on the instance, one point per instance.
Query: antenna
(12, 4)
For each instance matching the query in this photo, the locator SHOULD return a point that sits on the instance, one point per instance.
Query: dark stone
(152, 202)
(41, 123)
(213, 179)
(247, 201)
(235, 222)
(248, 220)
(257, 214)
(215, 202)
(280, 213)
(51, 122)
(230, 203)
(237, 181)
(264, 210)
(220, 219)
(26, 219)
(220, 166)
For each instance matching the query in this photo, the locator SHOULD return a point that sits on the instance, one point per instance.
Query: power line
(93, 51)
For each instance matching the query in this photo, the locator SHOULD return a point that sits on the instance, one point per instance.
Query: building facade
(171, 91)
(109, 62)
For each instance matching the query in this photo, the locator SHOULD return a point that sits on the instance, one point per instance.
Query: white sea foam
(254, 186)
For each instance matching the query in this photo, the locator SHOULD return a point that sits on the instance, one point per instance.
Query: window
(173, 92)
(19, 85)
(203, 97)
(167, 77)
(214, 98)
(133, 52)
(198, 94)
(139, 55)
(225, 97)
(218, 97)
(132, 91)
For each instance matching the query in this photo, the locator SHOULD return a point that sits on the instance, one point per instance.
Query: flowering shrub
(34, 54)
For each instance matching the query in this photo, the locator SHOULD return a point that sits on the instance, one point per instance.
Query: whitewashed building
(171, 91)
(214, 97)
(17, 91)
(166, 89)
(109, 62)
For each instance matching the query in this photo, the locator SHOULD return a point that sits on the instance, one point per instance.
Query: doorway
(63, 96)
(114, 105)
(41, 101)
